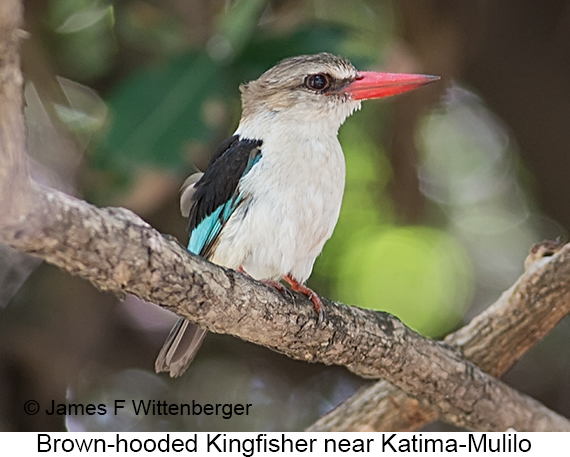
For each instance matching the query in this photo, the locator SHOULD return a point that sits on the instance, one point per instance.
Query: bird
(271, 195)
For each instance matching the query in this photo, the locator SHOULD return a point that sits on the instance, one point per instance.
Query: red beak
(370, 84)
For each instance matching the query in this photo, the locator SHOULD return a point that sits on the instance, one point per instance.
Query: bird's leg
(270, 282)
(298, 287)
(243, 272)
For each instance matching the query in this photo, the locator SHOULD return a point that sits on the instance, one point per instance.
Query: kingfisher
(270, 196)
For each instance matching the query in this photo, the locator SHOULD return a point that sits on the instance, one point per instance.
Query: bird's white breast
(293, 199)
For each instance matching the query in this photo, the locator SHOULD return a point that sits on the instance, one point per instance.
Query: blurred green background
(447, 187)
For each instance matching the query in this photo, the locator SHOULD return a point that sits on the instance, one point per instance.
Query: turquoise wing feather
(217, 194)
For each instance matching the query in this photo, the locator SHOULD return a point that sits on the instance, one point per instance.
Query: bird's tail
(180, 347)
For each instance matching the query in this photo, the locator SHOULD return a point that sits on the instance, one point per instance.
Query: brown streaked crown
(286, 84)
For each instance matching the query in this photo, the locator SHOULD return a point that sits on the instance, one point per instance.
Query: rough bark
(13, 176)
(118, 252)
(494, 340)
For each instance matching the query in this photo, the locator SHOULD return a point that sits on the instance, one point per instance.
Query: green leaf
(157, 111)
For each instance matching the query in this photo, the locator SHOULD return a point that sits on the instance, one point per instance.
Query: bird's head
(320, 87)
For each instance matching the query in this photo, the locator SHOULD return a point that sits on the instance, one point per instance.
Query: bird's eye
(318, 81)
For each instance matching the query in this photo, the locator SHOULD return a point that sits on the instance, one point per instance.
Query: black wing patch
(216, 191)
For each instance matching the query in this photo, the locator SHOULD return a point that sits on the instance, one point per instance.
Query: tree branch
(117, 251)
(13, 174)
(494, 340)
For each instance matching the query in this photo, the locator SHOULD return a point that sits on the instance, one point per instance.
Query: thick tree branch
(494, 340)
(116, 251)
(13, 175)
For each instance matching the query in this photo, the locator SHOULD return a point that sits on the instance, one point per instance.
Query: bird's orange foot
(280, 287)
(276, 284)
(270, 282)
(243, 272)
(317, 302)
